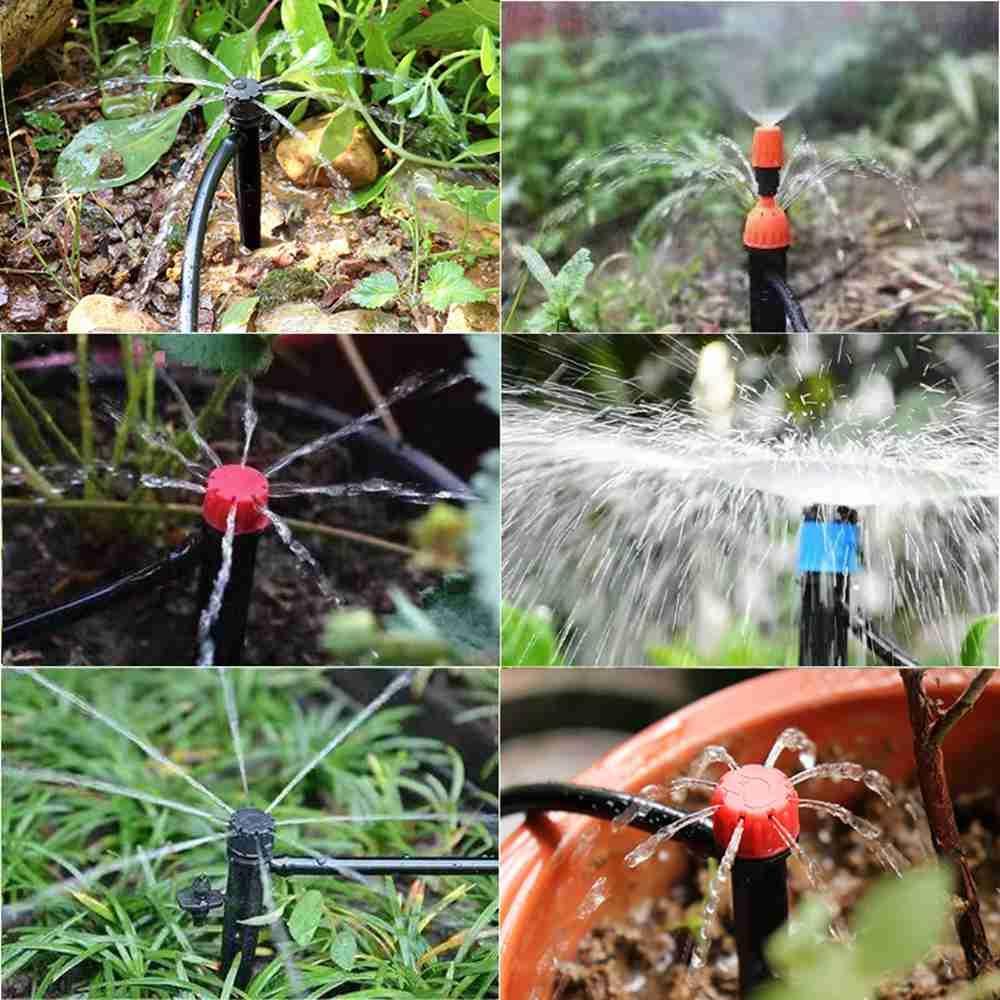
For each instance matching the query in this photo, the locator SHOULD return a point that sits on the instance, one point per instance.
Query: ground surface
(59, 247)
(647, 958)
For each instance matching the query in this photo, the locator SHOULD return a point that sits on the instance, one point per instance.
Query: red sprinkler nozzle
(768, 148)
(755, 794)
(240, 485)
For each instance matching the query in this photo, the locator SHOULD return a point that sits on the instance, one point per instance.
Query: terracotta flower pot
(551, 862)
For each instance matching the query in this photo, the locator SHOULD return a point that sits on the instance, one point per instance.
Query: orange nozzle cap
(768, 148)
(757, 795)
(239, 486)
(767, 226)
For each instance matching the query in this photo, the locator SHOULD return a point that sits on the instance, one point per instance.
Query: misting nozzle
(768, 148)
(240, 96)
(237, 485)
(757, 795)
(767, 227)
(251, 834)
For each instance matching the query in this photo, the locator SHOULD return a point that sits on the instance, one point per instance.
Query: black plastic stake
(245, 116)
(230, 627)
(767, 310)
(251, 839)
(760, 907)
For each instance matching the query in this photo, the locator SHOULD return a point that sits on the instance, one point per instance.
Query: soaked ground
(50, 555)
(646, 958)
(63, 247)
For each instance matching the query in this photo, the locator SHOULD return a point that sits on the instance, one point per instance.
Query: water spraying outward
(637, 525)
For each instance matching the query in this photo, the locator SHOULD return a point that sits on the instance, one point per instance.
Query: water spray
(249, 854)
(242, 98)
(237, 493)
(767, 236)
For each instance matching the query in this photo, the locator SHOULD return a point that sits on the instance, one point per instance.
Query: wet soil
(646, 958)
(50, 556)
(59, 248)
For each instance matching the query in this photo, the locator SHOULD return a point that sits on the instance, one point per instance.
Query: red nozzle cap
(767, 226)
(768, 149)
(754, 794)
(239, 485)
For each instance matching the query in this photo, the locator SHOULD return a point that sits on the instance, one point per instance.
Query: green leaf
(359, 199)
(899, 920)
(570, 280)
(974, 645)
(220, 352)
(527, 640)
(457, 611)
(487, 54)
(94, 905)
(344, 949)
(46, 143)
(236, 53)
(454, 27)
(376, 290)
(338, 134)
(484, 147)
(378, 55)
(306, 917)
(539, 269)
(447, 286)
(264, 919)
(236, 318)
(138, 141)
(208, 23)
(45, 121)
(303, 21)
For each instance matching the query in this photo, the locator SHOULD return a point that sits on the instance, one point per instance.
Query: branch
(960, 707)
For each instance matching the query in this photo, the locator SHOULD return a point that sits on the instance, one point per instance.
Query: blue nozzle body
(828, 547)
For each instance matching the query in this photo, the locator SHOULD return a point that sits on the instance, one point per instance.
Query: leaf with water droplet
(306, 917)
(134, 143)
(344, 949)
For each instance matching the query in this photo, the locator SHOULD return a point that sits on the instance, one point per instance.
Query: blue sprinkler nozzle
(828, 547)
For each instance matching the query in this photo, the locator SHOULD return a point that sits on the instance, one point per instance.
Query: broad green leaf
(344, 949)
(138, 141)
(899, 920)
(220, 352)
(304, 23)
(975, 652)
(338, 134)
(306, 917)
(484, 147)
(454, 27)
(378, 55)
(359, 199)
(209, 22)
(237, 317)
(46, 121)
(447, 285)
(395, 22)
(487, 54)
(539, 269)
(236, 53)
(572, 277)
(376, 290)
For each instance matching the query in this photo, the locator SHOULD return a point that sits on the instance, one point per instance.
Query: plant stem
(924, 720)
(133, 391)
(189, 510)
(30, 425)
(13, 453)
(86, 417)
(47, 419)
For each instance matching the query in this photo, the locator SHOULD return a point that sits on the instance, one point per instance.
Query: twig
(189, 510)
(32, 476)
(960, 707)
(919, 297)
(83, 404)
(368, 384)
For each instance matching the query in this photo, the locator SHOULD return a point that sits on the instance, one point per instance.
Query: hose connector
(766, 226)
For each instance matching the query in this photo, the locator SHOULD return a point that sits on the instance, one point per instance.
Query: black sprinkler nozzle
(243, 96)
(199, 899)
(250, 845)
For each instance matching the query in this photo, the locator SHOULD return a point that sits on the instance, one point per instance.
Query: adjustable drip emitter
(767, 236)
(249, 853)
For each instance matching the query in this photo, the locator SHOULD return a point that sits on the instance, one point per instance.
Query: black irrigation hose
(197, 224)
(483, 865)
(793, 311)
(177, 563)
(884, 648)
(602, 803)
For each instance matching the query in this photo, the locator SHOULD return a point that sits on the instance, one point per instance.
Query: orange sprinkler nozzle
(768, 148)
(767, 226)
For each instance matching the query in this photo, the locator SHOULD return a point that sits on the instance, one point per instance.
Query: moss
(290, 284)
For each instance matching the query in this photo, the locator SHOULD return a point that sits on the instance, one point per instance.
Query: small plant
(561, 311)
(978, 310)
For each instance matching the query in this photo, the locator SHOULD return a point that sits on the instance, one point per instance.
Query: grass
(124, 936)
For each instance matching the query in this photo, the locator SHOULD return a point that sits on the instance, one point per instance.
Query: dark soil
(647, 958)
(51, 555)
